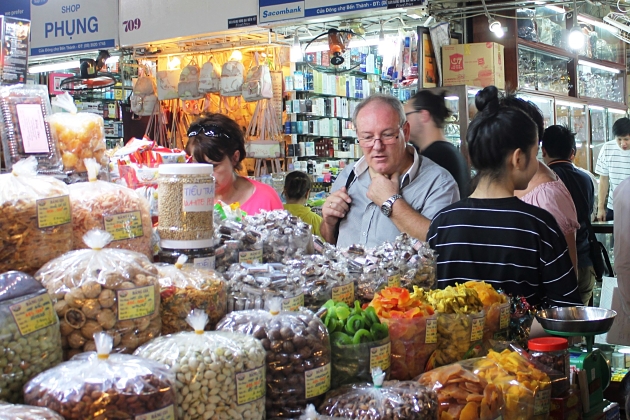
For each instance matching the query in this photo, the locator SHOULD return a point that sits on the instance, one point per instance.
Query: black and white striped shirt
(510, 244)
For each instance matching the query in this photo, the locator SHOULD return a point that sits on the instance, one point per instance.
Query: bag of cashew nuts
(218, 373)
(30, 342)
(102, 289)
(184, 288)
(26, 412)
(382, 400)
(297, 360)
(100, 385)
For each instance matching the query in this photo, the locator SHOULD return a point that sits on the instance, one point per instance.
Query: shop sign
(281, 10)
(395, 4)
(62, 27)
(14, 37)
(20, 9)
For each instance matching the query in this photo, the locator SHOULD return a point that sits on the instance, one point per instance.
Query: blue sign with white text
(281, 10)
(20, 9)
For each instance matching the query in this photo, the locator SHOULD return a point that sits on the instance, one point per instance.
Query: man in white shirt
(613, 166)
(622, 243)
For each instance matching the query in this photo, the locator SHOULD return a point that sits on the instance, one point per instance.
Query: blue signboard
(20, 9)
(281, 10)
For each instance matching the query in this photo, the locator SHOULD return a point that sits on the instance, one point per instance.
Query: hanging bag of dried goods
(80, 135)
(497, 308)
(460, 324)
(412, 327)
(383, 400)
(26, 412)
(358, 340)
(100, 385)
(117, 209)
(30, 341)
(219, 374)
(298, 356)
(35, 218)
(184, 288)
(97, 289)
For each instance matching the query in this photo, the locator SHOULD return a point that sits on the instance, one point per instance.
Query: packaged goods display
(298, 356)
(26, 412)
(358, 340)
(25, 130)
(30, 343)
(496, 305)
(219, 374)
(80, 135)
(311, 414)
(100, 385)
(112, 207)
(36, 222)
(412, 327)
(389, 400)
(184, 288)
(101, 289)
(553, 354)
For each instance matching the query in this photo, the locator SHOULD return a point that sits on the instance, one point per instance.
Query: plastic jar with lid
(186, 202)
(552, 352)
(200, 253)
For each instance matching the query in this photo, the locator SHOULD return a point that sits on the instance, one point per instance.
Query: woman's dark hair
(296, 185)
(496, 131)
(213, 137)
(528, 107)
(433, 103)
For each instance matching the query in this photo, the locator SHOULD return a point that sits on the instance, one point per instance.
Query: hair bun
(487, 100)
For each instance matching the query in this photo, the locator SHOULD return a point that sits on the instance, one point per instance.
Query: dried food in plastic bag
(298, 356)
(184, 288)
(389, 400)
(284, 236)
(102, 289)
(217, 372)
(36, 222)
(311, 414)
(26, 412)
(100, 385)
(497, 308)
(30, 341)
(122, 212)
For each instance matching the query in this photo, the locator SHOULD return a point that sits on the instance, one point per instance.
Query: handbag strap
(592, 239)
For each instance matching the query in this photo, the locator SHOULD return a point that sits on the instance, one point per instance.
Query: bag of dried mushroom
(114, 208)
(100, 385)
(97, 289)
(184, 288)
(36, 222)
(26, 412)
(219, 374)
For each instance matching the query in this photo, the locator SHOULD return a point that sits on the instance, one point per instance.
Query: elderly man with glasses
(391, 189)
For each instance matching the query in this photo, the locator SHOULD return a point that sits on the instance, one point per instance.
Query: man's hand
(336, 206)
(601, 214)
(382, 188)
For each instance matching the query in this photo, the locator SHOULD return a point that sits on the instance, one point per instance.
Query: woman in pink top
(217, 139)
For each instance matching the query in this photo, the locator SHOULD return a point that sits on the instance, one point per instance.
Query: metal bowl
(583, 320)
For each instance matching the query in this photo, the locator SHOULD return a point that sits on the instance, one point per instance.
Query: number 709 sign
(132, 25)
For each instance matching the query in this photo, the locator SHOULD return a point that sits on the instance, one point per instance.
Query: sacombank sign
(278, 12)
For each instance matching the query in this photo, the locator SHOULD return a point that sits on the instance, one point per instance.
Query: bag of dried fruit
(30, 342)
(102, 289)
(460, 324)
(26, 412)
(412, 327)
(184, 288)
(36, 222)
(101, 384)
(101, 204)
(497, 308)
(217, 372)
(298, 355)
(384, 400)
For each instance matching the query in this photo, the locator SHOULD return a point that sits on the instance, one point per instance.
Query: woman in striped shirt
(493, 236)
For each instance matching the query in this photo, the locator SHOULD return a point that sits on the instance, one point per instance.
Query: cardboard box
(480, 64)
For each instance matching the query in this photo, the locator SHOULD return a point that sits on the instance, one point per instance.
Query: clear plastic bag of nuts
(30, 343)
(217, 372)
(26, 412)
(298, 356)
(382, 400)
(102, 289)
(100, 385)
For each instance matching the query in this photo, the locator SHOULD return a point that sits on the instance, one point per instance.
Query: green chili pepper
(362, 336)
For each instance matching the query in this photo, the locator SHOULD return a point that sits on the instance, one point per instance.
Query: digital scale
(593, 368)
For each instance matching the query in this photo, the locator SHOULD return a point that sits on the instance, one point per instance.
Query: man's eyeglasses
(211, 130)
(386, 138)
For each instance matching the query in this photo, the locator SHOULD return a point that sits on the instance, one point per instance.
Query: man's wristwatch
(386, 208)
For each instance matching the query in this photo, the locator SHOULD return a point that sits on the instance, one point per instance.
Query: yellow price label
(504, 317)
(293, 303)
(393, 281)
(476, 332)
(317, 381)
(431, 331)
(53, 212)
(344, 293)
(136, 303)
(118, 94)
(124, 225)
(250, 257)
(250, 385)
(33, 314)
(380, 356)
(167, 413)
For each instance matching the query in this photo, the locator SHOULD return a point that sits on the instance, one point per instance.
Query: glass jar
(203, 257)
(186, 203)
(552, 352)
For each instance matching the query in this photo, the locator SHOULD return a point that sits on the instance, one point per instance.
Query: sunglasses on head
(211, 130)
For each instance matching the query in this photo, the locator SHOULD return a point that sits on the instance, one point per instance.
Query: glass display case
(600, 82)
(542, 24)
(604, 118)
(575, 116)
(544, 103)
(602, 44)
(542, 71)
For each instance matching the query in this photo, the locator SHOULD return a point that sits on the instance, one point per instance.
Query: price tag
(542, 402)
(136, 303)
(32, 128)
(250, 257)
(476, 332)
(393, 281)
(53, 212)
(504, 317)
(381, 356)
(431, 331)
(317, 381)
(167, 413)
(198, 197)
(293, 303)
(344, 293)
(124, 225)
(250, 385)
(205, 263)
(33, 314)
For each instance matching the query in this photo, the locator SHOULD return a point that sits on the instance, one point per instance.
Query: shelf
(307, 114)
(539, 47)
(604, 103)
(312, 92)
(611, 64)
(326, 137)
